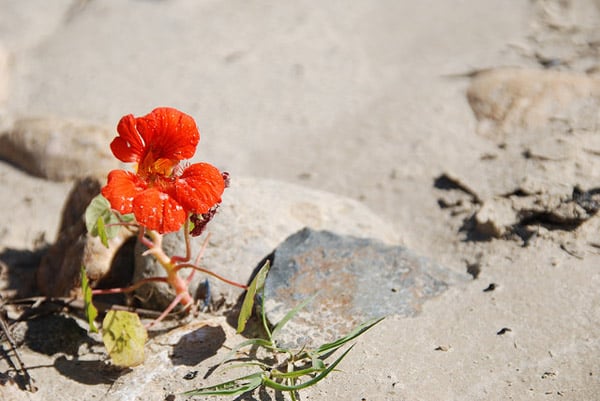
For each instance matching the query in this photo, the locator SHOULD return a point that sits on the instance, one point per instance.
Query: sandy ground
(365, 99)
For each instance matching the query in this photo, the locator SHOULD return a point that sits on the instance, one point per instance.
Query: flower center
(151, 166)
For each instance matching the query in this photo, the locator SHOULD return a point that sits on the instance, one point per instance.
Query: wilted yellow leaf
(124, 337)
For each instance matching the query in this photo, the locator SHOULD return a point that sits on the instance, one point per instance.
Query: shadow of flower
(198, 345)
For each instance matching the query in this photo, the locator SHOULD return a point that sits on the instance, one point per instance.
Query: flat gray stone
(355, 279)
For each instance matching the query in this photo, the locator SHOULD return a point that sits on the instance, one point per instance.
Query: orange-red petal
(128, 146)
(158, 211)
(122, 187)
(163, 134)
(169, 133)
(199, 188)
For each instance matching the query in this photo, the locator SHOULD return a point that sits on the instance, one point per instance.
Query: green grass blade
(248, 304)
(295, 373)
(262, 366)
(288, 316)
(332, 346)
(263, 316)
(254, 341)
(90, 310)
(281, 387)
(231, 388)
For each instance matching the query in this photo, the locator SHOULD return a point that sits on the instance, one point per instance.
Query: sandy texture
(368, 99)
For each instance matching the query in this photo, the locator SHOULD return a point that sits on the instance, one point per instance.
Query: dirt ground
(470, 127)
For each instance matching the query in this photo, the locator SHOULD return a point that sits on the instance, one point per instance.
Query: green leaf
(99, 208)
(288, 316)
(257, 283)
(90, 310)
(102, 221)
(124, 337)
(231, 388)
(281, 387)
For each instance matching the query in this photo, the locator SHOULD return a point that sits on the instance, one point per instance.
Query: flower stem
(173, 279)
(188, 246)
(142, 238)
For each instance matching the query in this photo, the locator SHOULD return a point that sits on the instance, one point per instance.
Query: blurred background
(355, 97)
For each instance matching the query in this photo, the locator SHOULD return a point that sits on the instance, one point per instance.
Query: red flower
(162, 192)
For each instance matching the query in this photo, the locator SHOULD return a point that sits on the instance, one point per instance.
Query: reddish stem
(142, 238)
(169, 308)
(180, 286)
(188, 247)
(210, 273)
(130, 288)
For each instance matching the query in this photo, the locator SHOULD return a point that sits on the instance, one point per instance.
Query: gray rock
(255, 216)
(508, 100)
(59, 271)
(159, 295)
(58, 149)
(354, 279)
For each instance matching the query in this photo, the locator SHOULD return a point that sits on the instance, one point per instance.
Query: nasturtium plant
(164, 193)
